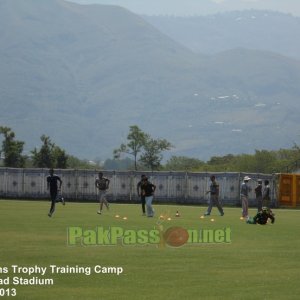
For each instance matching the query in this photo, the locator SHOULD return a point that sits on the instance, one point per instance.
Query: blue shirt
(244, 189)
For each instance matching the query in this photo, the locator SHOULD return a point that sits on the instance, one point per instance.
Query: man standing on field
(141, 193)
(258, 194)
(266, 194)
(245, 190)
(102, 184)
(148, 189)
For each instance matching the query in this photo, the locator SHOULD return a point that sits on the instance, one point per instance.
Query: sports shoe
(206, 214)
(63, 201)
(222, 214)
(99, 212)
(49, 215)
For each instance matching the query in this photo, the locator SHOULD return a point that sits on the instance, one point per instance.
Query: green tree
(183, 163)
(12, 149)
(44, 158)
(294, 159)
(221, 163)
(265, 161)
(49, 155)
(61, 158)
(152, 155)
(243, 163)
(136, 141)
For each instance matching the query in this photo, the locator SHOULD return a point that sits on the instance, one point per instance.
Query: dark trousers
(54, 199)
(143, 201)
(259, 203)
(214, 200)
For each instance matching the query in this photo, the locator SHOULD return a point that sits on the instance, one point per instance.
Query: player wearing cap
(245, 196)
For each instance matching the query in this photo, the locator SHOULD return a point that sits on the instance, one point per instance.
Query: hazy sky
(199, 7)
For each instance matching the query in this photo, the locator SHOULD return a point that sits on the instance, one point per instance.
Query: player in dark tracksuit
(52, 185)
(262, 217)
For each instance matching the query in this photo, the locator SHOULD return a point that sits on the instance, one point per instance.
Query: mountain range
(202, 7)
(251, 29)
(83, 74)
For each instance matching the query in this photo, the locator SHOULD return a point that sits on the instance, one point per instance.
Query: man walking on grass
(214, 197)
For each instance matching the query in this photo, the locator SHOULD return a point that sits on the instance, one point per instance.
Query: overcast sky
(199, 7)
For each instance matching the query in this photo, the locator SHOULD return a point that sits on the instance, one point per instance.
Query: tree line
(141, 151)
(49, 155)
(146, 151)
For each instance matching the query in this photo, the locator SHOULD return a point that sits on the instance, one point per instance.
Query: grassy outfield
(261, 262)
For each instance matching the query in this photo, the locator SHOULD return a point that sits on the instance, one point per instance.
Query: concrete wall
(171, 187)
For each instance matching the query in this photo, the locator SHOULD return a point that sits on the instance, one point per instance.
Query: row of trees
(146, 151)
(48, 155)
(262, 161)
(143, 152)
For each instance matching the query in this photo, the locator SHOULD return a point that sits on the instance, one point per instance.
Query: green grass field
(261, 262)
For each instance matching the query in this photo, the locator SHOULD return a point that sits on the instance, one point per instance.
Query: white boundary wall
(171, 187)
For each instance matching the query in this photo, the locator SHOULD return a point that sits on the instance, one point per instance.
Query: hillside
(84, 74)
(251, 29)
